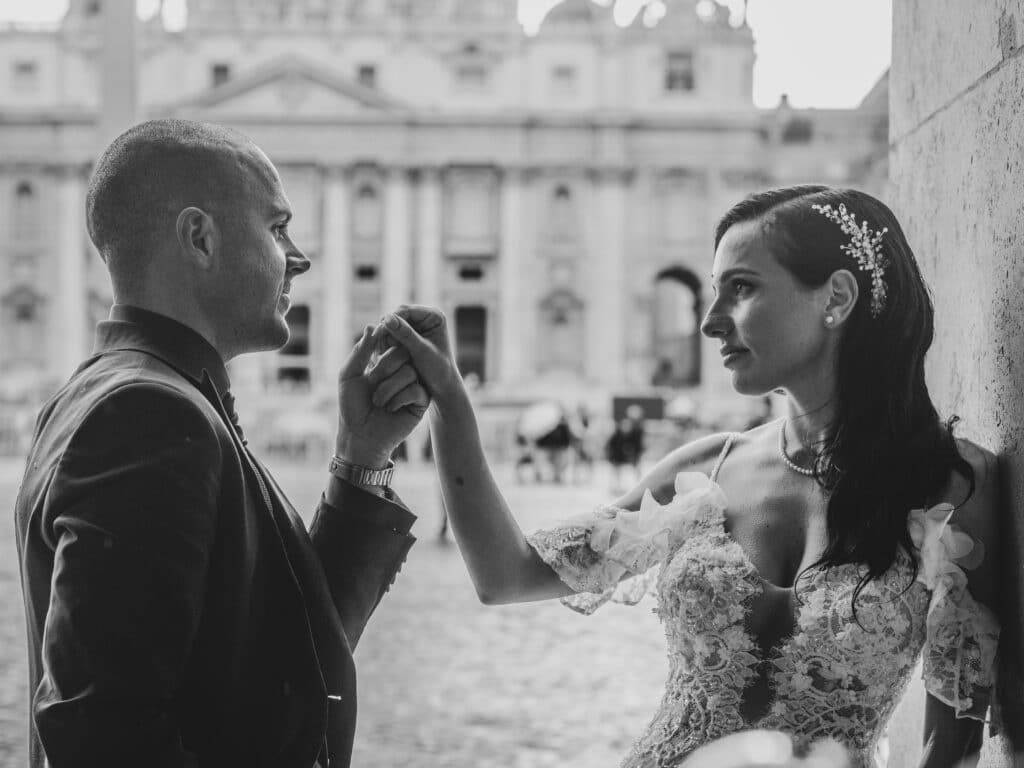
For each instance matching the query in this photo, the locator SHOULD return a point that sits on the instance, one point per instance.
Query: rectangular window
(563, 80)
(220, 74)
(366, 75)
(471, 341)
(298, 331)
(470, 210)
(25, 75)
(679, 75)
(294, 379)
(471, 77)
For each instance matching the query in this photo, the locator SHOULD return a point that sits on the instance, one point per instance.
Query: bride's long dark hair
(887, 451)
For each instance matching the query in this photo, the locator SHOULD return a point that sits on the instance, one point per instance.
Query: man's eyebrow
(277, 212)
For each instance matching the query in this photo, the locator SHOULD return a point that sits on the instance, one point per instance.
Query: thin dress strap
(721, 457)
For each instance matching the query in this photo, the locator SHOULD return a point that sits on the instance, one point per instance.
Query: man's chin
(276, 336)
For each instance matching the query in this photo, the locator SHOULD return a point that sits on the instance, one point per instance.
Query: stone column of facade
(429, 264)
(512, 339)
(608, 292)
(118, 70)
(396, 270)
(336, 326)
(69, 323)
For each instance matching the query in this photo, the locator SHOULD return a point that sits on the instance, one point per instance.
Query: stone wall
(957, 172)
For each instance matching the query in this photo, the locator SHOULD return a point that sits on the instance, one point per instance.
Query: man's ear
(842, 296)
(198, 237)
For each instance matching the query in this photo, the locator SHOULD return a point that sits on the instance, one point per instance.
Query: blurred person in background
(800, 568)
(178, 611)
(555, 445)
(625, 446)
(582, 455)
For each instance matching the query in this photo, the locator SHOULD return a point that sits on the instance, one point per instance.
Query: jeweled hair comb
(865, 247)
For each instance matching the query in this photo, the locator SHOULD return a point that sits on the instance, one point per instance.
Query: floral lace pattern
(833, 677)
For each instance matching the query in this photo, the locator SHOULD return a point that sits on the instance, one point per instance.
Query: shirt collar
(176, 344)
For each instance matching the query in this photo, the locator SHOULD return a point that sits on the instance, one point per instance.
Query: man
(179, 614)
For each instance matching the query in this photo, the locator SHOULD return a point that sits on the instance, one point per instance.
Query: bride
(800, 568)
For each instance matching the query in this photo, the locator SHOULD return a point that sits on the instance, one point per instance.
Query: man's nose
(297, 262)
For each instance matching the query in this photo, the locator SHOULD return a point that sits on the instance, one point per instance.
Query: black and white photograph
(512, 383)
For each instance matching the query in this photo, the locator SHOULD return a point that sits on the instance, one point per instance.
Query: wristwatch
(359, 475)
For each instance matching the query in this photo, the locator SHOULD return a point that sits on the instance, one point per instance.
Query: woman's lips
(731, 356)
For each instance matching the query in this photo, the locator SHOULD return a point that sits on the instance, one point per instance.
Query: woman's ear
(842, 297)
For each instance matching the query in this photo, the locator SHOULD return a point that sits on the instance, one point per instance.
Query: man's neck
(187, 316)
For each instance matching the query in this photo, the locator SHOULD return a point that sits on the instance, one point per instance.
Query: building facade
(556, 194)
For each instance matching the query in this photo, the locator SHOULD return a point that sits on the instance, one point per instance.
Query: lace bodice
(832, 677)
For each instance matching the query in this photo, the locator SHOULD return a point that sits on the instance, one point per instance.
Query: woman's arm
(503, 566)
(950, 740)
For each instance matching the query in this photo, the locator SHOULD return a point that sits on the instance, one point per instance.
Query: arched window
(26, 212)
(366, 218)
(677, 315)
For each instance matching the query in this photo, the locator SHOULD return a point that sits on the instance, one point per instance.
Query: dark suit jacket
(179, 614)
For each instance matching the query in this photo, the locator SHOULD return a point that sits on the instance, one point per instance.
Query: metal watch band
(359, 475)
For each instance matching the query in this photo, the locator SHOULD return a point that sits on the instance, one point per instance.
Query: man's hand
(378, 408)
(422, 334)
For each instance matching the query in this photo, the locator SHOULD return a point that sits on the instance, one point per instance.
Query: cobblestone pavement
(445, 682)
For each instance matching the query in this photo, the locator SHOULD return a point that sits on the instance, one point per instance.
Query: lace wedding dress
(833, 677)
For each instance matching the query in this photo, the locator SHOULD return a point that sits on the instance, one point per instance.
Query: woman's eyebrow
(729, 273)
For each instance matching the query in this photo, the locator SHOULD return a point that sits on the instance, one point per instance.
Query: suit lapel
(286, 521)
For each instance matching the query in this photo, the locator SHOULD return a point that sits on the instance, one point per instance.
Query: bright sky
(823, 53)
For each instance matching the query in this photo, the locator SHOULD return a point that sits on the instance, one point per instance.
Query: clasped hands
(381, 400)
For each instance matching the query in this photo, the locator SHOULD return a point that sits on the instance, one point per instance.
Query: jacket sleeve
(130, 520)
(362, 541)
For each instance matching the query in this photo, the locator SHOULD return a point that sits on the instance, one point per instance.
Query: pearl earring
(829, 320)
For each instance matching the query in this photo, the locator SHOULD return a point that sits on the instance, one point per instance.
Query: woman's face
(771, 327)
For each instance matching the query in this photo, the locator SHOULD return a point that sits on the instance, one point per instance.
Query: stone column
(396, 270)
(337, 272)
(118, 69)
(608, 291)
(513, 315)
(429, 264)
(68, 313)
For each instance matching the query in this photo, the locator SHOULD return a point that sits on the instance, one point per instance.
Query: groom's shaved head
(151, 172)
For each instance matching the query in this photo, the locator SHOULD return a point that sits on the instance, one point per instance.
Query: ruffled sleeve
(614, 554)
(961, 633)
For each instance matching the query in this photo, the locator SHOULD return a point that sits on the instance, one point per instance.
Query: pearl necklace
(785, 456)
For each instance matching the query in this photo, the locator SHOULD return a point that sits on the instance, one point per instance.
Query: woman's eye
(281, 230)
(741, 287)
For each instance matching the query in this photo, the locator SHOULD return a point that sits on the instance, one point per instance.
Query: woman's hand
(422, 333)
